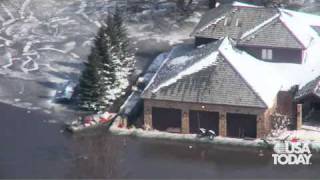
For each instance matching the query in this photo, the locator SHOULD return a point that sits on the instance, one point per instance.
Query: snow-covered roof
(301, 30)
(241, 4)
(261, 25)
(202, 80)
(197, 76)
(311, 88)
(268, 78)
(196, 67)
(202, 76)
(224, 21)
(310, 19)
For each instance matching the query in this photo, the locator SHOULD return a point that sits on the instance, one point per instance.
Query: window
(266, 54)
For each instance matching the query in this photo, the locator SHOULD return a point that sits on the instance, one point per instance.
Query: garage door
(165, 119)
(204, 119)
(241, 125)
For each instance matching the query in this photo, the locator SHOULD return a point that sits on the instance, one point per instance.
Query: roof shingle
(218, 83)
(234, 22)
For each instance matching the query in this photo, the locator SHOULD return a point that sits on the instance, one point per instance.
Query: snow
(244, 35)
(10, 60)
(82, 7)
(154, 134)
(179, 60)
(310, 19)
(173, 37)
(212, 23)
(241, 4)
(23, 8)
(304, 33)
(27, 47)
(29, 60)
(194, 18)
(52, 49)
(12, 18)
(268, 78)
(156, 63)
(305, 135)
(70, 46)
(7, 42)
(298, 23)
(196, 67)
(173, 50)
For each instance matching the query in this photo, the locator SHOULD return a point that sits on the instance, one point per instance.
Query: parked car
(65, 91)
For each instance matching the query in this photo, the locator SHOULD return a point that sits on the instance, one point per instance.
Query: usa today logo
(291, 153)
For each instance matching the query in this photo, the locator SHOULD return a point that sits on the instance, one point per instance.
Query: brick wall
(262, 130)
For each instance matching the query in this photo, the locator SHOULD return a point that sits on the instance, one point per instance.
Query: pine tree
(108, 84)
(98, 77)
(119, 40)
(106, 73)
(88, 93)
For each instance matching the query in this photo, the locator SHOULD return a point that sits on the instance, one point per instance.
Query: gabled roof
(245, 23)
(218, 73)
(268, 78)
(311, 88)
(202, 76)
(222, 21)
(280, 37)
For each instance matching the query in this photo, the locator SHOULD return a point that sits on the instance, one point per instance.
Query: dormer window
(266, 54)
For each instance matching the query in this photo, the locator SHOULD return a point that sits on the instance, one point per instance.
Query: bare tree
(279, 123)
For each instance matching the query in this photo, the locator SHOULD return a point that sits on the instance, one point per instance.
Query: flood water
(33, 147)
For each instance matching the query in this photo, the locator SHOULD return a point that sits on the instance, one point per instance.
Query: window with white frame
(266, 54)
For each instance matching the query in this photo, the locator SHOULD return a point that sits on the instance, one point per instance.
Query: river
(33, 146)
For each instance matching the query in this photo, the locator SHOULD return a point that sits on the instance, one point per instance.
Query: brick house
(269, 34)
(231, 83)
(202, 89)
(309, 97)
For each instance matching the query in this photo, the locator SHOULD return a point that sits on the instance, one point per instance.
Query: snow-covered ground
(154, 134)
(303, 134)
(43, 43)
(310, 136)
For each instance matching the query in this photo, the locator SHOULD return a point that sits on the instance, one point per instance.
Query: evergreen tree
(106, 73)
(109, 90)
(119, 41)
(98, 76)
(88, 93)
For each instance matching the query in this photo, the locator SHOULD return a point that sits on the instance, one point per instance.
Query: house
(270, 34)
(222, 86)
(202, 89)
(309, 97)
